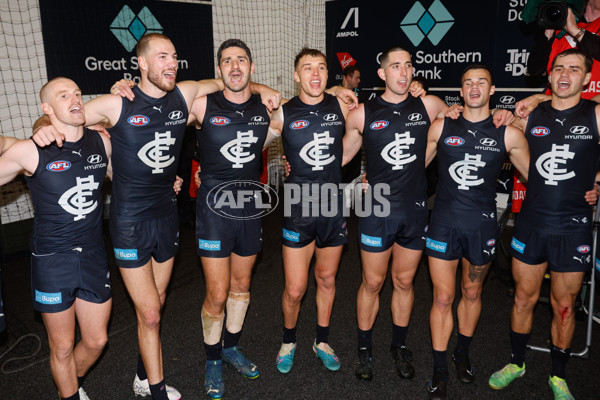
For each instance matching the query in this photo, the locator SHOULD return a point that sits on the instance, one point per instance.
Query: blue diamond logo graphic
(433, 23)
(128, 28)
(426, 23)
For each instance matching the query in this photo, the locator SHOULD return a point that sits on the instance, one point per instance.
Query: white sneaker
(83, 395)
(142, 388)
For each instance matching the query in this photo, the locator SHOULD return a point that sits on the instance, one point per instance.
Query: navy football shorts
(570, 252)
(477, 245)
(135, 243)
(222, 230)
(58, 278)
(377, 234)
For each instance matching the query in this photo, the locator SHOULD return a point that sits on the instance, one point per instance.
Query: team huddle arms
(134, 136)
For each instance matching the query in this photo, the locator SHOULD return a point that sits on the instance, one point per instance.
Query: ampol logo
(584, 249)
(540, 131)
(58, 166)
(454, 141)
(377, 125)
(138, 120)
(220, 121)
(300, 124)
(254, 198)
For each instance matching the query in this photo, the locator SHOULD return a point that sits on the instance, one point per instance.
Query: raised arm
(353, 136)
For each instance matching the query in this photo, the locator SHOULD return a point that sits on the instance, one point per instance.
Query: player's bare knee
(61, 350)
(373, 284)
(294, 293)
(150, 318)
(442, 300)
(402, 283)
(471, 294)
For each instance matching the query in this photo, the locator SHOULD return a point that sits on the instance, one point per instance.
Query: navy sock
(365, 339)
(560, 357)
(462, 346)
(74, 397)
(159, 391)
(231, 339)
(399, 335)
(518, 344)
(141, 371)
(440, 367)
(322, 334)
(80, 380)
(289, 335)
(213, 351)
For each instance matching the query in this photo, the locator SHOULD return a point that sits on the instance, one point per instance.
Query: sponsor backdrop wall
(443, 37)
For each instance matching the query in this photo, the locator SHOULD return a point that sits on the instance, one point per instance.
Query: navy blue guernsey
(66, 190)
(470, 158)
(231, 140)
(564, 151)
(395, 140)
(146, 143)
(312, 140)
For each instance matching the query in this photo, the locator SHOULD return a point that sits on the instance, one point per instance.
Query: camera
(553, 14)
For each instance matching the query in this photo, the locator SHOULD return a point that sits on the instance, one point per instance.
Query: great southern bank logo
(433, 23)
(128, 28)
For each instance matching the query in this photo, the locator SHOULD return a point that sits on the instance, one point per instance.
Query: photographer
(582, 34)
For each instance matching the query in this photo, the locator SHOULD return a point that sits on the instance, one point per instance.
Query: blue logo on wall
(128, 28)
(433, 23)
(126, 254)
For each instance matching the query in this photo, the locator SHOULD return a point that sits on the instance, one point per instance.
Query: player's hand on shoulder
(46, 135)
(123, 88)
(453, 111)
(502, 117)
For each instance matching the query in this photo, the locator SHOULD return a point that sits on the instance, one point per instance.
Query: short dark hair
(144, 42)
(423, 81)
(350, 69)
(587, 60)
(308, 52)
(478, 66)
(386, 54)
(233, 43)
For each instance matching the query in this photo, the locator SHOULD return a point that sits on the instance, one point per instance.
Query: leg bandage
(237, 305)
(212, 325)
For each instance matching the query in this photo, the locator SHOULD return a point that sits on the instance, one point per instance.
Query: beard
(157, 80)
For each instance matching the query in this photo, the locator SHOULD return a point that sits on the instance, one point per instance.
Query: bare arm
(517, 149)
(524, 107)
(433, 136)
(353, 136)
(6, 142)
(435, 107)
(347, 96)
(21, 158)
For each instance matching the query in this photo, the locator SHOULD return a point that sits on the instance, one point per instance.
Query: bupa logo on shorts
(372, 241)
(518, 246)
(300, 124)
(58, 166)
(540, 131)
(138, 120)
(291, 235)
(126, 254)
(584, 248)
(435, 245)
(377, 125)
(219, 121)
(330, 117)
(48, 298)
(454, 141)
(415, 117)
(491, 242)
(177, 114)
(579, 130)
(210, 245)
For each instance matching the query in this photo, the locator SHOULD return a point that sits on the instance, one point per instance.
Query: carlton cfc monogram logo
(548, 164)
(315, 152)
(152, 153)
(74, 200)
(393, 152)
(234, 150)
(461, 170)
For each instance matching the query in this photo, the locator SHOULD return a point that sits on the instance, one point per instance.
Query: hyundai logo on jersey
(58, 166)
(138, 120)
(377, 125)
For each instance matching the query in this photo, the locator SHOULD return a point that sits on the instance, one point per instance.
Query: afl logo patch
(138, 120)
(584, 249)
(540, 131)
(58, 166)
(454, 141)
(219, 121)
(491, 242)
(176, 115)
(377, 125)
(300, 124)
